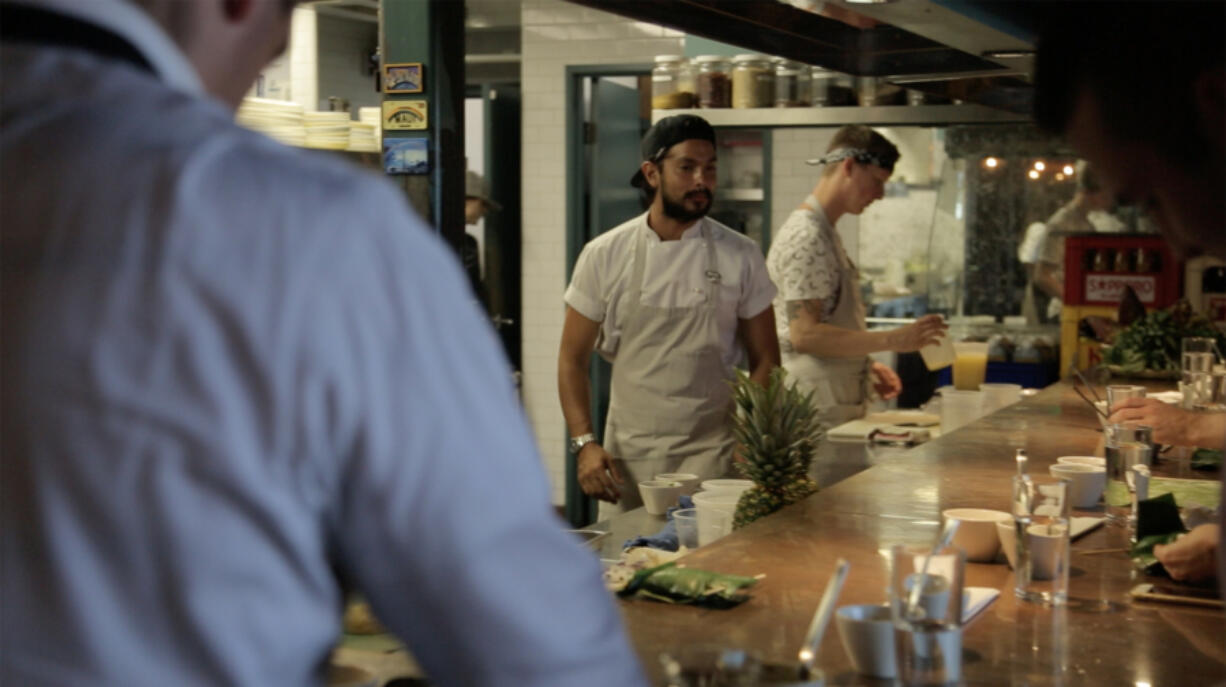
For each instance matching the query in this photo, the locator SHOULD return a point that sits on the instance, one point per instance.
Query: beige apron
(671, 398)
(840, 386)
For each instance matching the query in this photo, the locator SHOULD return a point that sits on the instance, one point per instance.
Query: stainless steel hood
(978, 51)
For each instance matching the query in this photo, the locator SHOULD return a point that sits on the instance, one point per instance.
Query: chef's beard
(678, 210)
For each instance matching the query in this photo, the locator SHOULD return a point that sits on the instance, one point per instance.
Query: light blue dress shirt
(234, 373)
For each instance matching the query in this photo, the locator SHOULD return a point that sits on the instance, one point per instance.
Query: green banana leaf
(670, 584)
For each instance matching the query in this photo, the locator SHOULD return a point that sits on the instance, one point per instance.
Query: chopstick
(1073, 366)
(1094, 552)
(1078, 376)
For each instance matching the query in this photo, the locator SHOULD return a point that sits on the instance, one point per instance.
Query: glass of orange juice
(970, 364)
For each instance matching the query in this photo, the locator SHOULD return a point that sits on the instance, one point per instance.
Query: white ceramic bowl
(659, 494)
(689, 481)
(1007, 532)
(1092, 461)
(1086, 482)
(977, 532)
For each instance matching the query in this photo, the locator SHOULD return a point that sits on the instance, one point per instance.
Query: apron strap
(25, 24)
(712, 267)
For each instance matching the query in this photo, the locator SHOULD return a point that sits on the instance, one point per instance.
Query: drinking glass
(1126, 445)
(1041, 520)
(928, 637)
(1119, 392)
(1197, 360)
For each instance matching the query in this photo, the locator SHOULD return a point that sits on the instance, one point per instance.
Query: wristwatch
(577, 443)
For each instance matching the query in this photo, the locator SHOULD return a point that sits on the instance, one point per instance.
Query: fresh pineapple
(777, 435)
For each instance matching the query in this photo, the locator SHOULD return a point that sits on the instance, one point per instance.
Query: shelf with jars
(757, 91)
(876, 115)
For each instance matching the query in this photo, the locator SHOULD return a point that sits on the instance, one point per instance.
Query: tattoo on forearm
(812, 307)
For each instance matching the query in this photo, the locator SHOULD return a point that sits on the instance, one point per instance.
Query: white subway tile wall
(556, 35)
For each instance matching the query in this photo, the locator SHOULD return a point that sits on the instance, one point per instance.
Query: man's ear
(847, 166)
(237, 10)
(651, 173)
(1209, 90)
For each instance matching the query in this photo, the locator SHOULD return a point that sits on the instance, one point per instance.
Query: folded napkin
(666, 538)
(975, 599)
(893, 434)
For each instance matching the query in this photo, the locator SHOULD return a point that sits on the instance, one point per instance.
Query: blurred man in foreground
(236, 374)
(1156, 131)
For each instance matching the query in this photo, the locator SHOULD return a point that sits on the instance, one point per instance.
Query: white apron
(671, 395)
(840, 386)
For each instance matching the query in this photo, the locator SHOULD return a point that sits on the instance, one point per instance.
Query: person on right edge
(1155, 129)
(823, 337)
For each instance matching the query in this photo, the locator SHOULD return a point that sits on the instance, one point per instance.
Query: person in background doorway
(1073, 218)
(819, 314)
(241, 379)
(477, 204)
(1155, 130)
(670, 297)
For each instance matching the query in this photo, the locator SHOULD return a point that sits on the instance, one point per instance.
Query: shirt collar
(135, 26)
(694, 232)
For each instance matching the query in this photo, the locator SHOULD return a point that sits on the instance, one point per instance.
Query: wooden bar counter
(1100, 638)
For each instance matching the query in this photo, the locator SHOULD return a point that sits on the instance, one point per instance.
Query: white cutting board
(858, 430)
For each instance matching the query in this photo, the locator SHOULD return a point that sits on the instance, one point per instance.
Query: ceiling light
(1040, 165)
(1068, 170)
(1059, 176)
(991, 163)
(1033, 174)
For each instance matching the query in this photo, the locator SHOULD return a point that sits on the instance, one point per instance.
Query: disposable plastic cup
(970, 364)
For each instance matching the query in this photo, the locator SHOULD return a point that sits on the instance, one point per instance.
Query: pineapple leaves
(777, 434)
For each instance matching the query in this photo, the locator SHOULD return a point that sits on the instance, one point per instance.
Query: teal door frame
(581, 510)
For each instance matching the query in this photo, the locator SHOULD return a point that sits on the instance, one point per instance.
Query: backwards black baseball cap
(667, 133)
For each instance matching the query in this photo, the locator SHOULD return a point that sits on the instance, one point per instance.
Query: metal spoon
(825, 609)
(946, 536)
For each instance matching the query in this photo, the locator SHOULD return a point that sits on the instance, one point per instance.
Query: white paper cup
(1086, 482)
(1092, 461)
(658, 495)
(868, 638)
(977, 532)
(689, 481)
(726, 486)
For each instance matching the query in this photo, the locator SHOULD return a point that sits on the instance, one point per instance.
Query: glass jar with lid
(753, 81)
(672, 83)
(712, 81)
(830, 89)
(791, 83)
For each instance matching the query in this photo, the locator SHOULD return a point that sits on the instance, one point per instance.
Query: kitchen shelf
(750, 194)
(884, 115)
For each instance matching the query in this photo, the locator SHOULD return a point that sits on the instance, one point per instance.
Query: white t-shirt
(804, 262)
(674, 276)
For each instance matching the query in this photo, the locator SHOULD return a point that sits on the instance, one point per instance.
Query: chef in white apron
(675, 300)
(819, 314)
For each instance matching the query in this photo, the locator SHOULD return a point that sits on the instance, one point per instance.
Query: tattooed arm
(810, 334)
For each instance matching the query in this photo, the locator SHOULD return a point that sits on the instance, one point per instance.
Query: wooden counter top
(1100, 638)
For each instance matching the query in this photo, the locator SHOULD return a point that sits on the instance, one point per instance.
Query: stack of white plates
(280, 119)
(363, 137)
(327, 130)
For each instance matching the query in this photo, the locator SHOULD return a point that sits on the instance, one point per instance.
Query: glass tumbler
(928, 634)
(1126, 445)
(1041, 521)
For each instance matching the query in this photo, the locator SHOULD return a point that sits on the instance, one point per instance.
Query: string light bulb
(1040, 165)
(1034, 174)
(1068, 170)
(991, 163)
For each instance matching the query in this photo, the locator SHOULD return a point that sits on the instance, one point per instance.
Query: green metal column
(432, 32)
